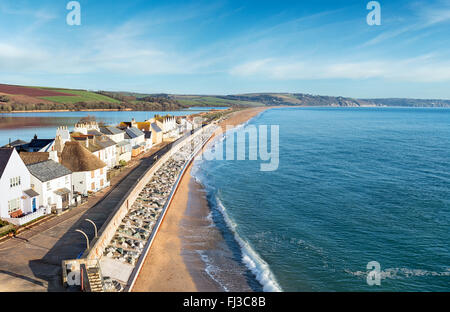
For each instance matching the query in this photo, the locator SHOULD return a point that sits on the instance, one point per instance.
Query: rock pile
(134, 231)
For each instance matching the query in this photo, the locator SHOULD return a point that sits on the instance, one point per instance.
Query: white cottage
(88, 172)
(18, 201)
(53, 182)
(123, 147)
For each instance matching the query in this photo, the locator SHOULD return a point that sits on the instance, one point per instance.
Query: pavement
(32, 260)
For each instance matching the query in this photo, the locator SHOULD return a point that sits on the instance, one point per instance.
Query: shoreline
(174, 263)
(108, 110)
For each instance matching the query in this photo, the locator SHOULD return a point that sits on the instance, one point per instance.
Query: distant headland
(14, 98)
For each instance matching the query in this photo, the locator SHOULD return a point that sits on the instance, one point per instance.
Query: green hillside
(81, 96)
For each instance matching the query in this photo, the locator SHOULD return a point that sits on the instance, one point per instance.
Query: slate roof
(39, 143)
(156, 128)
(95, 132)
(134, 132)
(5, 155)
(31, 193)
(48, 170)
(148, 134)
(110, 130)
(15, 143)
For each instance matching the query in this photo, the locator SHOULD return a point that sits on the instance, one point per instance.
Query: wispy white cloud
(426, 68)
(422, 17)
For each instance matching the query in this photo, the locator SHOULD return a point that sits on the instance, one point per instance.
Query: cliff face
(301, 99)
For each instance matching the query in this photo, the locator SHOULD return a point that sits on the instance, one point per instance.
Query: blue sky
(230, 47)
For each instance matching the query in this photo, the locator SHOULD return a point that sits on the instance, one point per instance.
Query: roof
(15, 143)
(110, 130)
(156, 128)
(104, 141)
(125, 124)
(32, 158)
(5, 155)
(134, 132)
(62, 191)
(40, 143)
(143, 125)
(148, 134)
(31, 193)
(78, 158)
(95, 132)
(48, 170)
(95, 143)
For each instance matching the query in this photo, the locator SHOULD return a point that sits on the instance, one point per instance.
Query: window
(13, 205)
(13, 182)
(49, 187)
(92, 174)
(93, 186)
(101, 171)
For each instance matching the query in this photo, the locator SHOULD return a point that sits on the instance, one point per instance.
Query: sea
(360, 201)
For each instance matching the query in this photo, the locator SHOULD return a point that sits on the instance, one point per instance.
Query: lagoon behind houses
(24, 126)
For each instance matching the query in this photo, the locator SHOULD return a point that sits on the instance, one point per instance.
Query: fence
(27, 218)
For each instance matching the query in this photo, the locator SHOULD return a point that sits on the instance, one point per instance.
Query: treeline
(135, 105)
(14, 106)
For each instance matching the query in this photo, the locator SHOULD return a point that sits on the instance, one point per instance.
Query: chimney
(35, 136)
(53, 155)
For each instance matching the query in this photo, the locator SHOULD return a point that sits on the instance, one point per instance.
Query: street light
(95, 226)
(87, 238)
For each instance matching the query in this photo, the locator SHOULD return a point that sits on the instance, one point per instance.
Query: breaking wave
(250, 257)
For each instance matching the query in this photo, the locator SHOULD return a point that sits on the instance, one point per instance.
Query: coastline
(174, 263)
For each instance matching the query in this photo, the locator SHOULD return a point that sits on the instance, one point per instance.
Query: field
(29, 91)
(77, 96)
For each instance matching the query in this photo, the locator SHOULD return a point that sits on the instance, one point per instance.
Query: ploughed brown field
(34, 92)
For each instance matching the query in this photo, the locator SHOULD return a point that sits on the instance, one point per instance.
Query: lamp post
(95, 226)
(87, 238)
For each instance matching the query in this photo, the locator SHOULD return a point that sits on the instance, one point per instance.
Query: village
(50, 175)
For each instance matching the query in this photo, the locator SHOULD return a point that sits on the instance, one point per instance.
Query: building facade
(17, 199)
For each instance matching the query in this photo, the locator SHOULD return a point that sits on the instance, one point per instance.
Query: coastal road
(32, 260)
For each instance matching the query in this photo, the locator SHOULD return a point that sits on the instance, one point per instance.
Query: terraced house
(18, 201)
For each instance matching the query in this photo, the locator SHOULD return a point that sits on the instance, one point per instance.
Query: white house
(113, 133)
(88, 172)
(53, 182)
(168, 126)
(185, 125)
(18, 201)
(123, 147)
(137, 140)
(100, 145)
(148, 140)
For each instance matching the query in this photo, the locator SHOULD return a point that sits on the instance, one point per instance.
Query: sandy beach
(173, 263)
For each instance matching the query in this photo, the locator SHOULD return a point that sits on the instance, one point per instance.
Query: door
(33, 204)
